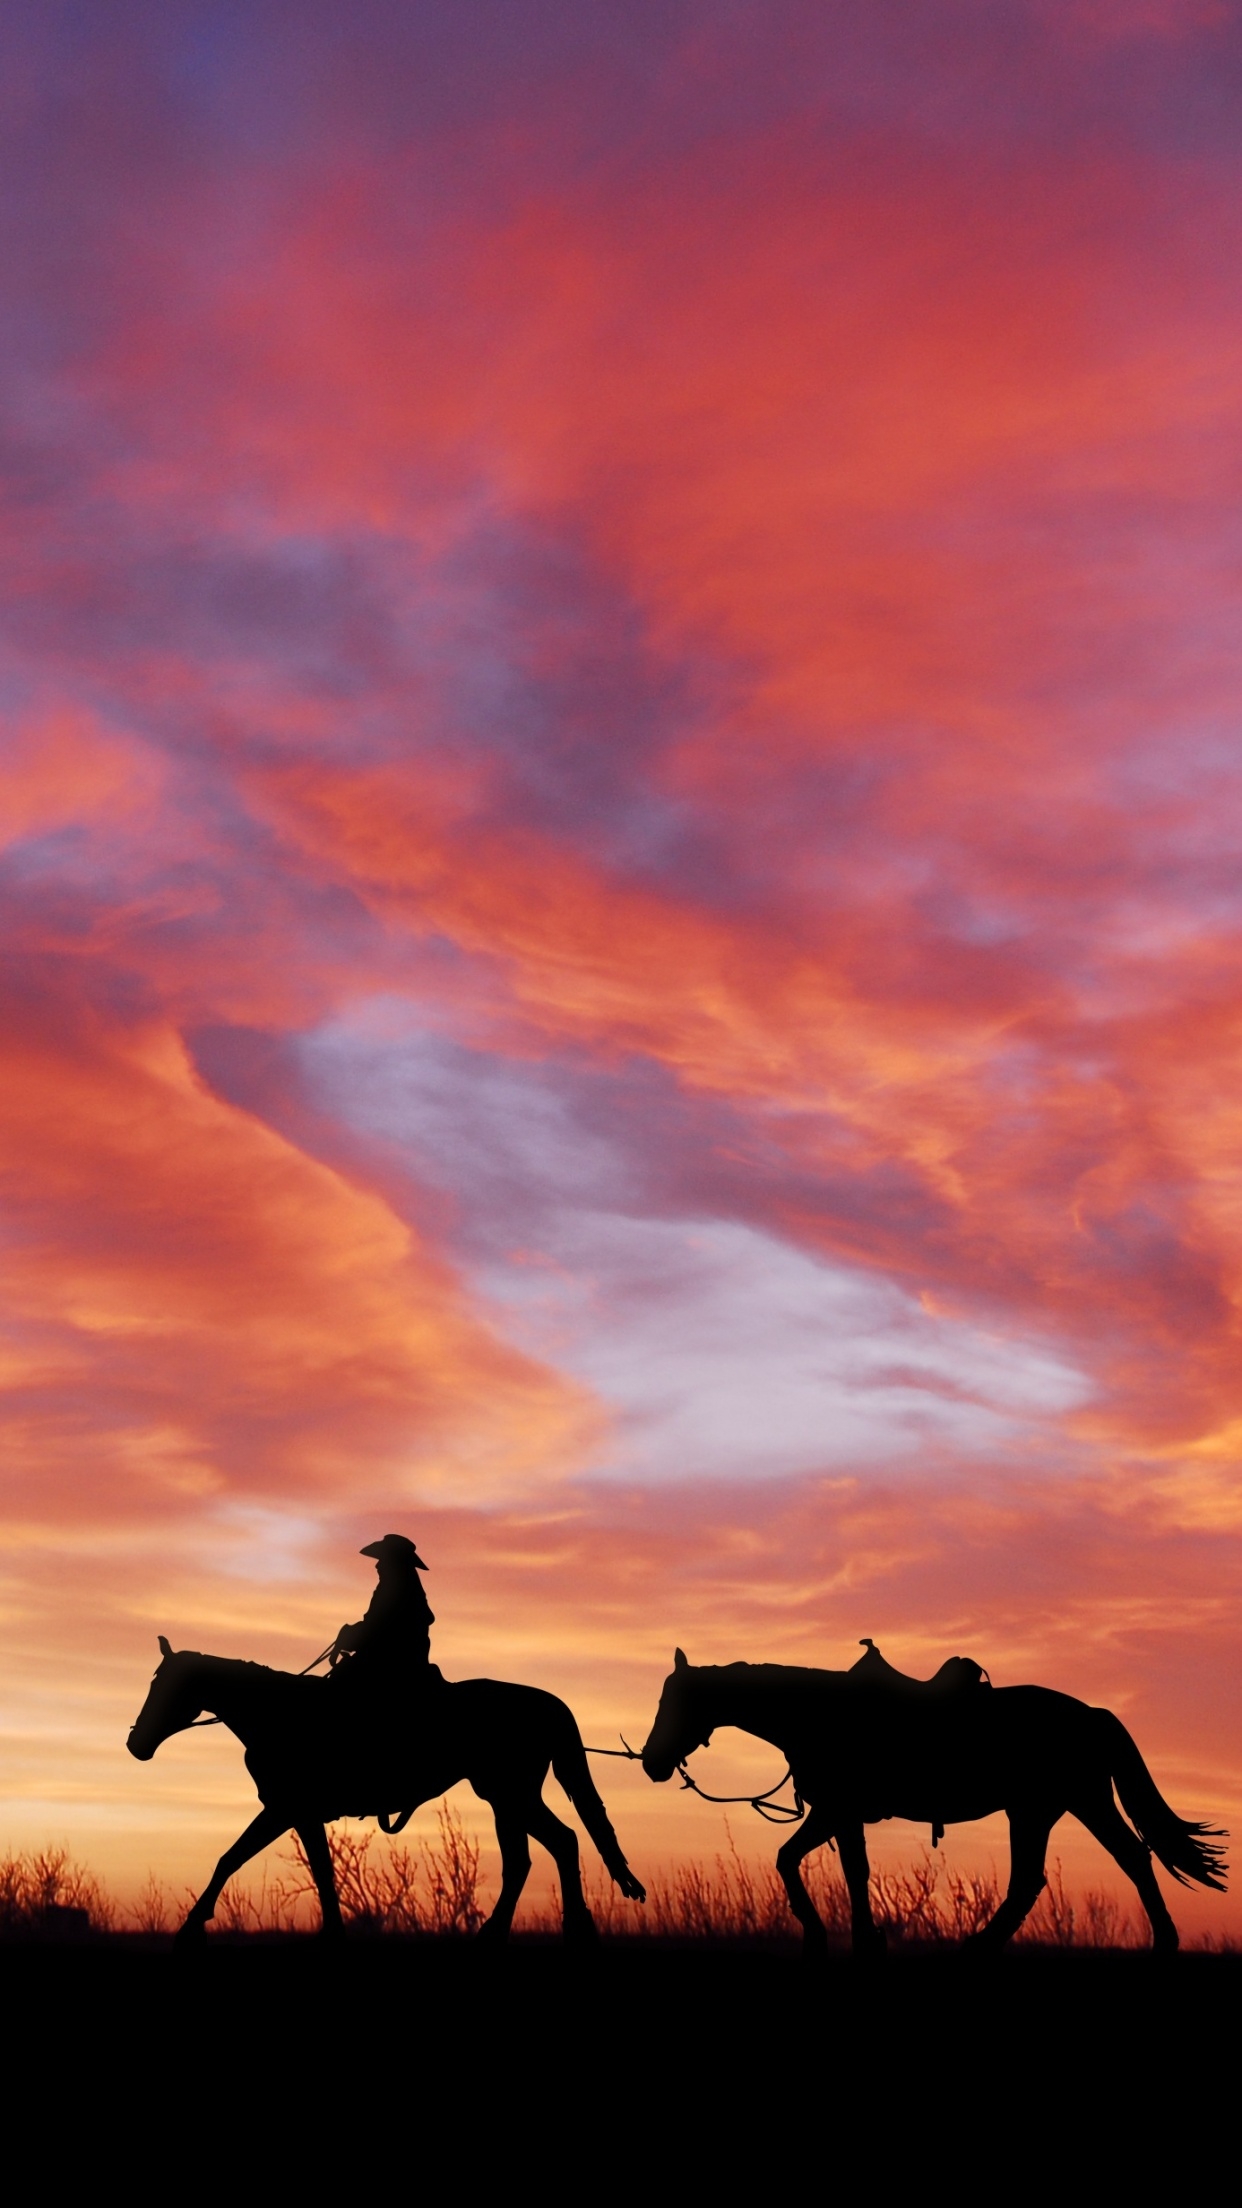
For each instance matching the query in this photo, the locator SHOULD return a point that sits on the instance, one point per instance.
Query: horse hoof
(977, 1949)
(580, 1931)
(190, 1933)
(491, 1933)
(871, 1948)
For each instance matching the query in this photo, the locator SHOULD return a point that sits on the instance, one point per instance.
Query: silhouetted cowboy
(386, 1656)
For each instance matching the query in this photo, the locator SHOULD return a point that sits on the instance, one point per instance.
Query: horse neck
(220, 1684)
(727, 1697)
(757, 1698)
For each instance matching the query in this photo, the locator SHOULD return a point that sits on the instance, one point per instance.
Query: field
(439, 1889)
(654, 2065)
(698, 2047)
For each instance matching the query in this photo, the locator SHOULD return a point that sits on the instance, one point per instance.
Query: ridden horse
(502, 1738)
(860, 1752)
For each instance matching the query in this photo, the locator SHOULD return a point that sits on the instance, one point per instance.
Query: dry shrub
(436, 1890)
(453, 1878)
(35, 1889)
(377, 1887)
(1052, 1921)
(928, 1903)
(273, 1906)
(153, 1912)
(934, 1902)
(439, 1890)
(738, 1900)
(907, 1903)
(1105, 1923)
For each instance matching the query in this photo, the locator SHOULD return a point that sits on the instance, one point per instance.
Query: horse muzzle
(144, 1754)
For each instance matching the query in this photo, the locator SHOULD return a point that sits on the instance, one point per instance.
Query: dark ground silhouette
(634, 2068)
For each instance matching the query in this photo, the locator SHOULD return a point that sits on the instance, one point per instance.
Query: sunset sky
(620, 812)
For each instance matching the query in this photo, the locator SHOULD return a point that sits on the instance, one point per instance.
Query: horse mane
(777, 1675)
(217, 1664)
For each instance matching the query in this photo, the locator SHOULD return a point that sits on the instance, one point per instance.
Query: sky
(619, 809)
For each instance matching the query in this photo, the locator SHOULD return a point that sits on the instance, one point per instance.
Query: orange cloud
(199, 1309)
(61, 770)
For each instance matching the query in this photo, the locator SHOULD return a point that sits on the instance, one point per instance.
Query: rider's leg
(1029, 1828)
(562, 1845)
(1104, 1820)
(868, 1936)
(814, 1831)
(514, 1871)
(267, 1826)
(314, 1839)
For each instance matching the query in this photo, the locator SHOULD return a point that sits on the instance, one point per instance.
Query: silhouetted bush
(929, 1903)
(435, 1890)
(44, 1894)
(154, 1911)
(438, 1890)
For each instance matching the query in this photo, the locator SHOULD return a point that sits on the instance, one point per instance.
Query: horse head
(172, 1703)
(678, 1728)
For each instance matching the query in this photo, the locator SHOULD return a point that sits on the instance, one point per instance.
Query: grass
(439, 1891)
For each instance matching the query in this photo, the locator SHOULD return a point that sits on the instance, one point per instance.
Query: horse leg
(314, 1839)
(867, 1937)
(267, 1826)
(812, 1833)
(562, 1845)
(1105, 1822)
(514, 1872)
(1028, 1846)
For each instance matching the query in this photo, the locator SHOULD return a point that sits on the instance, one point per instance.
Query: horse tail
(574, 1773)
(1191, 1852)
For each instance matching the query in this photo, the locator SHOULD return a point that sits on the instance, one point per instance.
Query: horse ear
(165, 1650)
(679, 1660)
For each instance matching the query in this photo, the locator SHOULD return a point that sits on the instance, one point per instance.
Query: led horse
(861, 1749)
(501, 1738)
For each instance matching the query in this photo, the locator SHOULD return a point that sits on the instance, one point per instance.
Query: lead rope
(775, 1813)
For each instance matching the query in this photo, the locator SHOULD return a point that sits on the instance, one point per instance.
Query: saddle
(377, 1726)
(957, 1675)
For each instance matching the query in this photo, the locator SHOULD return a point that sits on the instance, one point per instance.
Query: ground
(655, 2067)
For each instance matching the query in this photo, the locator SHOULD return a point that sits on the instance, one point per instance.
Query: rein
(773, 1812)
